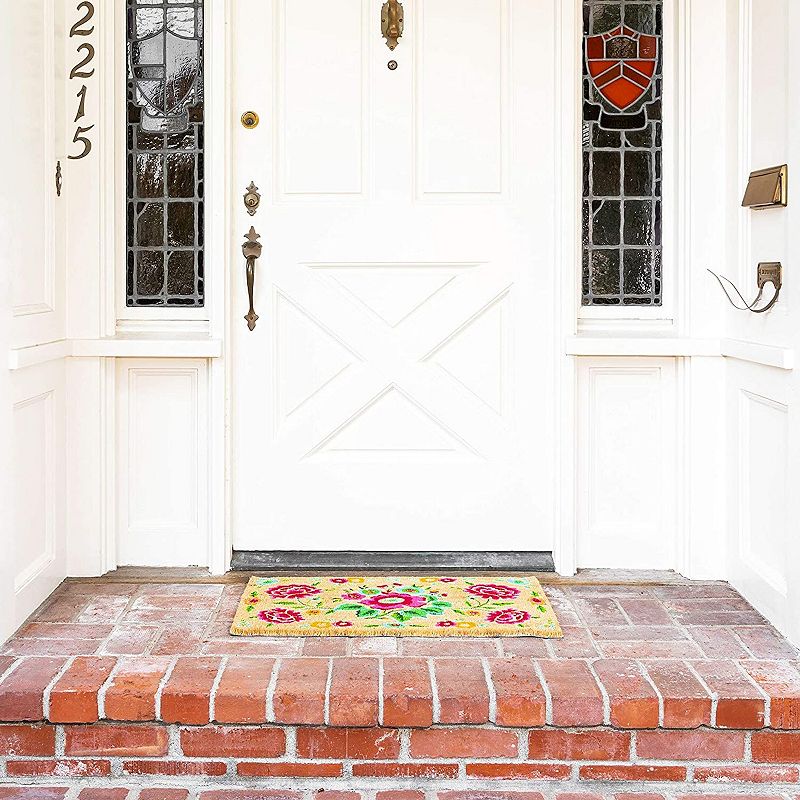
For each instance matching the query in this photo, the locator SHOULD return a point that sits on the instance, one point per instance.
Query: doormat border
(487, 561)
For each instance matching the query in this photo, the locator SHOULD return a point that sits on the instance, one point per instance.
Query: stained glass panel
(165, 153)
(622, 149)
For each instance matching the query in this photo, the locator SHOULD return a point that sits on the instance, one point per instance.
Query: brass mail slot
(767, 188)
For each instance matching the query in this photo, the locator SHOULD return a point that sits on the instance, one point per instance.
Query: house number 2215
(80, 72)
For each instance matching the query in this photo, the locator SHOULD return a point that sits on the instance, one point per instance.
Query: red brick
(32, 793)
(576, 644)
(229, 742)
(718, 643)
(27, 740)
(591, 745)
(782, 683)
(250, 794)
(520, 698)
(652, 649)
(746, 774)
(631, 772)
(450, 648)
(634, 703)
(131, 695)
(400, 794)
(211, 768)
(506, 771)
(186, 696)
(463, 694)
(407, 695)
(284, 769)
(686, 702)
(361, 744)
(130, 640)
(63, 768)
(776, 748)
(690, 745)
(163, 794)
(335, 794)
(739, 703)
(299, 697)
(74, 696)
(323, 646)
(427, 771)
(354, 692)
(22, 692)
(645, 611)
(576, 697)
(463, 743)
(103, 794)
(765, 642)
(481, 794)
(116, 740)
(241, 695)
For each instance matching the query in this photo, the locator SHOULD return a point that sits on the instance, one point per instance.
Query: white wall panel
(626, 463)
(162, 491)
(38, 550)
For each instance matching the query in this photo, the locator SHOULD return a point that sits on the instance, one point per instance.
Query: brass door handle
(392, 22)
(251, 249)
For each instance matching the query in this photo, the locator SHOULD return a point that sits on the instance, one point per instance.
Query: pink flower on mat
(445, 623)
(339, 580)
(493, 591)
(342, 623)
(508, 616)
(448, 580)
(291, 590)
(352, 596)
(391, 600)
(280, 616)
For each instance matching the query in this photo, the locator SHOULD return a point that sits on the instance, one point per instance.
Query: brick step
(457, 755)
(564, 792)
(403, 692)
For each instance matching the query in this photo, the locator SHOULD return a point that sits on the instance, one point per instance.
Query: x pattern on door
(391, 364)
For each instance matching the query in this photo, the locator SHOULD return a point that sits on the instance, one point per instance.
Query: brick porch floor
(673, 688)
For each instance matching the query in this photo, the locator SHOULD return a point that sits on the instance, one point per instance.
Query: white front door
(396, 392)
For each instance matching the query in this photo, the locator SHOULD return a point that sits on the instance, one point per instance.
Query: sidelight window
(165, 153)
(622, 151)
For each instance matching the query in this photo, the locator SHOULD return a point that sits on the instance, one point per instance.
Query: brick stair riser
(453, 757)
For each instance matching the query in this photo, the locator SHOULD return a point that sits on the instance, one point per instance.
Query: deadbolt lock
(250, 119)
(251, 199)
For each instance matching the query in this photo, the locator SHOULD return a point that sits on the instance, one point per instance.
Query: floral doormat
(395, 606)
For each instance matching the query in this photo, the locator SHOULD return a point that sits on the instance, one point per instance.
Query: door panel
(393, 395)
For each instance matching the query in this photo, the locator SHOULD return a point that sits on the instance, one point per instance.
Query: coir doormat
(395, 606)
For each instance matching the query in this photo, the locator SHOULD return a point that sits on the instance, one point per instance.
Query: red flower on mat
(508, 616)
(342, 623)
(448, 580)
(280, 616)
(352, 596)
(291, 590)
(391, 600)
(339, 580)
(445, 623)
(493, 591)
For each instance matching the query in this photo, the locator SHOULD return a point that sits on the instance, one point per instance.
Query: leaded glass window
(165, 153)
(622, 147)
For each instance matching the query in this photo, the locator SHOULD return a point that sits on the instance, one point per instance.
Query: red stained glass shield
(622, 63)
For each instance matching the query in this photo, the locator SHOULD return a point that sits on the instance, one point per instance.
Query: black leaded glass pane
(165, 153)
(622, 86)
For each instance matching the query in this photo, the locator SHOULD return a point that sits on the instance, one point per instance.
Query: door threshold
(357, 560)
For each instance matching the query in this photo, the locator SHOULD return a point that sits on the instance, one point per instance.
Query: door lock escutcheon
(251, 199)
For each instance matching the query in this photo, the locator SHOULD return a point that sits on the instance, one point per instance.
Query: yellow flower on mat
(465, 624)
(320, 624)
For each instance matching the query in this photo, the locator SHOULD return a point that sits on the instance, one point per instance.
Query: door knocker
(392, 22)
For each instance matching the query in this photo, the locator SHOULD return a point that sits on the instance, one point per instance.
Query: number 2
(76, 30)
(77, 72)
